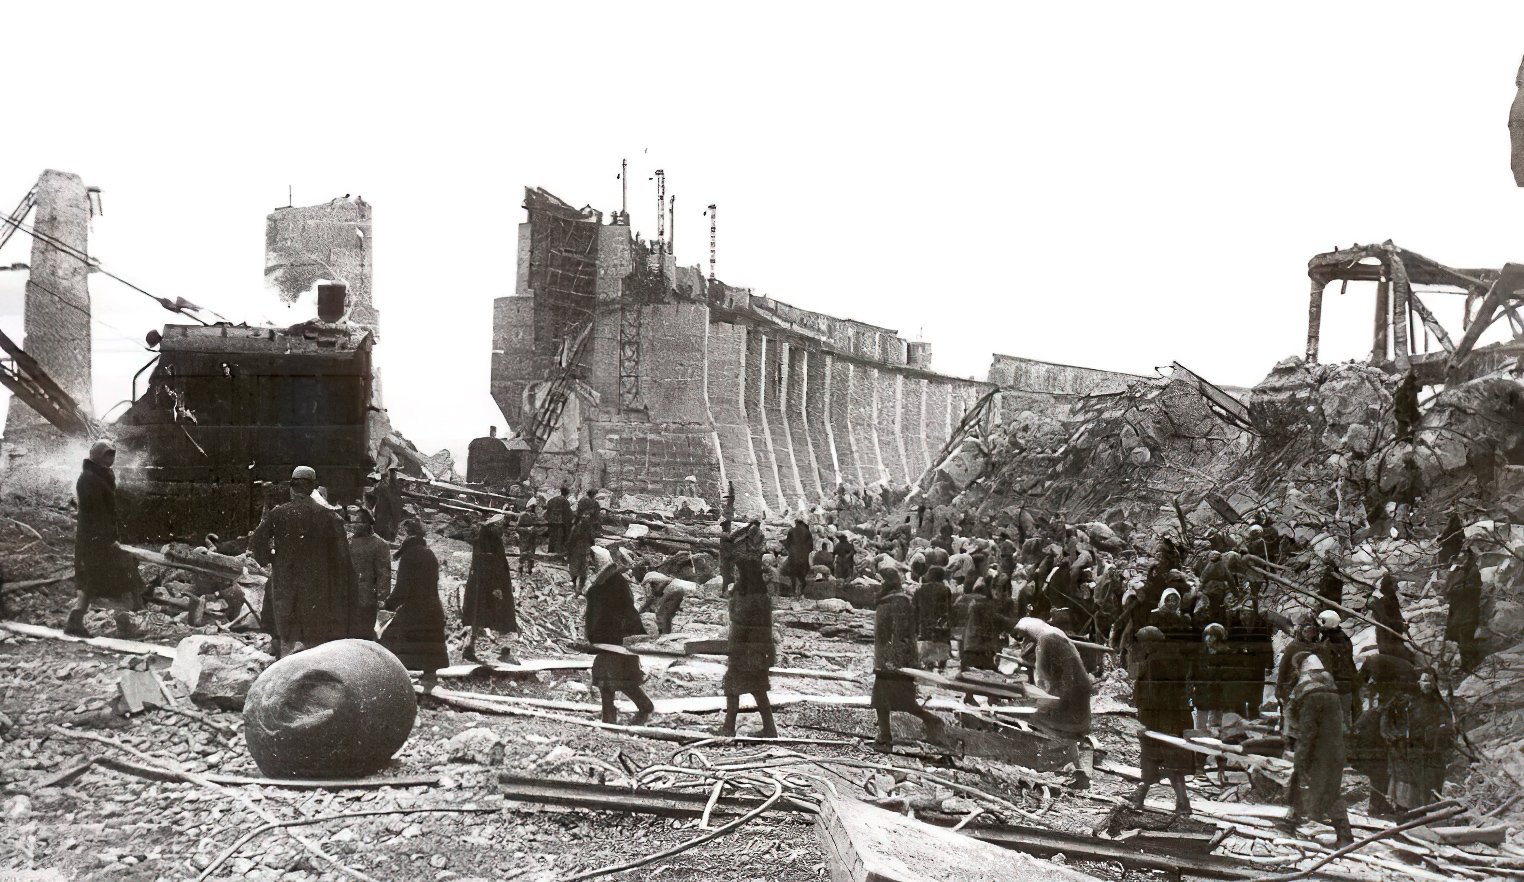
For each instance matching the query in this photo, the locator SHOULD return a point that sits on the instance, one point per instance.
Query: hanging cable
(95, 265)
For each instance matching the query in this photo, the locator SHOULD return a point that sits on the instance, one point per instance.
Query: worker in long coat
(1318, 770)
(933, 616)
(558, 518)
(488, 602)
(1385, 609)
(416, 634)
(1419, 733)
(1161, 690)
(389, 512)
(752, 650)
(1060, 672)
(610, 617)
(589, 509)
(313, 592)
(984, 631)
(1288, 672)
(1338, 653)
(372, 559)
(104, 574)
(798, 544)
(894, 649)
(529, 537)
(578, 547)
(1463, 589)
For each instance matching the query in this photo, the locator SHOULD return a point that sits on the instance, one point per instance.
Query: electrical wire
(93, 263)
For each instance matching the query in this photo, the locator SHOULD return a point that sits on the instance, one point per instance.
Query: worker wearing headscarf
(488, 600)
(1161, 691)
(894, 650)
(1060, 671)
(611, 617)
(752, 649)
(416, 634)
(104, 574)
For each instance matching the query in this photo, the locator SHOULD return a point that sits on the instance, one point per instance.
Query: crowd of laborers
(1197, 640)
(1197, 647)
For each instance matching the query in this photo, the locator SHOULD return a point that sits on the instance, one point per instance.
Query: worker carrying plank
(1060, 671)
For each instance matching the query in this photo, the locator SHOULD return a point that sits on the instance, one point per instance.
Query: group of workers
(1197, 649)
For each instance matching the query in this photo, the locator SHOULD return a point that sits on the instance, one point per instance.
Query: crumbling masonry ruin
(677, 376)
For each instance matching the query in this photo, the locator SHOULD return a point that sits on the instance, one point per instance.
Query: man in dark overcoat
(104, 574)
(313, 593)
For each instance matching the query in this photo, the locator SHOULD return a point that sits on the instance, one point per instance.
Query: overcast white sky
(1113, 185)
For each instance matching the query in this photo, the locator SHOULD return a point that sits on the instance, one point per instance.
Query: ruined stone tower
(327, 241)
(57, 312)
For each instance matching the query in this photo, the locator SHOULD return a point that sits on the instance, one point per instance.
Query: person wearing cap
(313, 593)
(1304, 641)
(1317, 777)
(589, 509)
(1338, 654)
(416, 634)
(797, 545)
(1420, 733)
(105, 575)
(558, 518)
(1161, 690)
(609, 618)
(372, 559)
(752, 649)
(488, 602)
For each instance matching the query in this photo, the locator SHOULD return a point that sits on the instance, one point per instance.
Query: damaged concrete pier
(676, 376)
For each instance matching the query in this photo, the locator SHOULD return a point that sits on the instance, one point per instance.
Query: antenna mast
(672, 226)
(712, 211)
(624, 188)
(661, 210)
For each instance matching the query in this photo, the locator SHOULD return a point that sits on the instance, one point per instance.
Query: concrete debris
(218, 670)
(476, 745)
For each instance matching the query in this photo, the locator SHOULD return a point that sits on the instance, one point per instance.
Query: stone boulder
(218, 669)
(337, 710)
(1333, 406)
(475, 745)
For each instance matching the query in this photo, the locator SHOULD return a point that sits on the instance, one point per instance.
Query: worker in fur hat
(313, 592)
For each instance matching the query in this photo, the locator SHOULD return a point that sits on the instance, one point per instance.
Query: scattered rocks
(476, 745)
(218, 669)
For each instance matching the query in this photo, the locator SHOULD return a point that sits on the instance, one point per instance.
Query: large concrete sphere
(337, 710)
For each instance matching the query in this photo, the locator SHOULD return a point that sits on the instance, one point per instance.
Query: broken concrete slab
(863, 843)
(218, 670)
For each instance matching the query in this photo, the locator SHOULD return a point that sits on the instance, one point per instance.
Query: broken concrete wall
(756, 421)
(886, 425)
(839, 382)
(327, 241)
(725, 390)
(815, 406)
(913, 425)
(774, 364)
(797, 379)
(57, 310)
(1030, 375)
(512, 356)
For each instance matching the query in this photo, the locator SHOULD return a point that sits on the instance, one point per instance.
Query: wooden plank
(335, 784)
(863, 843)
(525, 667)
(603, 797)
(969, 686)
(114, 644)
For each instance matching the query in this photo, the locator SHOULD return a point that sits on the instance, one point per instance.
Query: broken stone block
(475, 745)
(218, 669)
(337, 710)
(833, 605)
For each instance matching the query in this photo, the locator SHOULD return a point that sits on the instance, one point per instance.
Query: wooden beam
(1314, 318)
(1379, 339)
(1404, 287)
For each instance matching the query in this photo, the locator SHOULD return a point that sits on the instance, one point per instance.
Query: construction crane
(17, 217)
(20, 373)
(661, 210)
(547, 414)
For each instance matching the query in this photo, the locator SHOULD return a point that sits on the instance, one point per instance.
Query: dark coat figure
(488, 602)
(1386, 677)
(102, 570)
(389, 512)
(1405, 406)
(1451, 542)
(1386, 609)
(1249, 633)
(1419, 733)
(894, 648)
(589, 510)
(1331, 587)
(933, 608)
(846, 556)
(1318, 771)
(611, 617)
(1161, 690)
(416, 634)
(984, 634)
(529, 538)
(579, 547)
(1338, 654)
(797, 545)
(313, 593)
(1368, 756)
(558, 518)
(823, 558)
(1060, 672)
(1304, 641)
(752, 649)
(372, 560)
(1463, 589)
